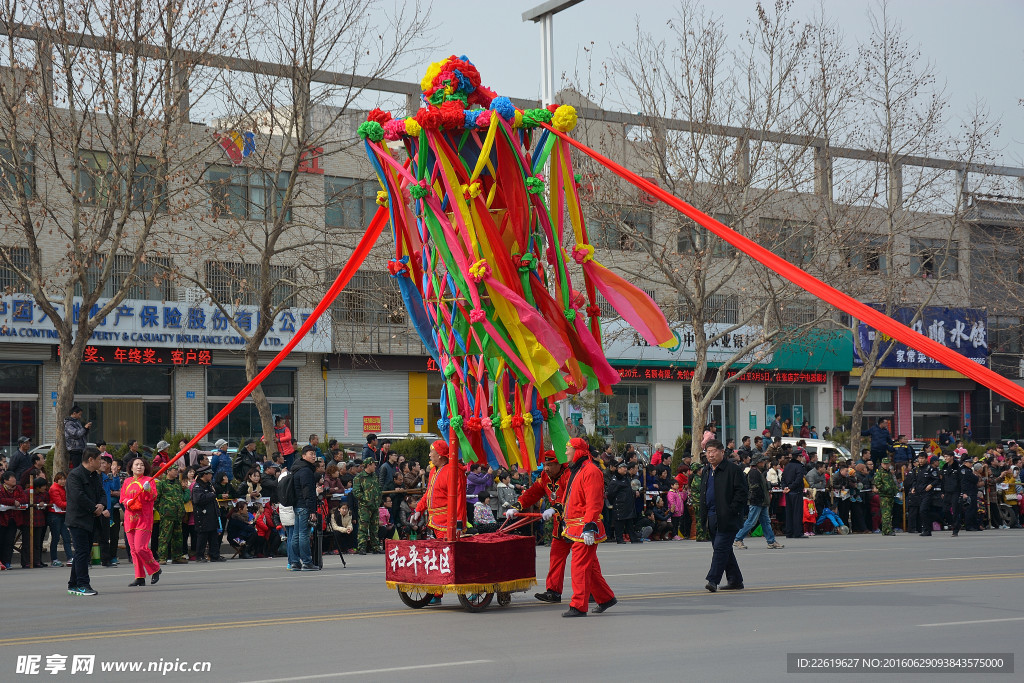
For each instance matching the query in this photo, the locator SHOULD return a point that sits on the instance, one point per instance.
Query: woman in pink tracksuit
(138, 495)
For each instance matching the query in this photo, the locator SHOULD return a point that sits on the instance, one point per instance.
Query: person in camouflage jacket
(170, 505)
(366, 489)
(693, 501)
(885, 485)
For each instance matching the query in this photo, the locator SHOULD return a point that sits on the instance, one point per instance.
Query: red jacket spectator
(58, 498)
(11, 498)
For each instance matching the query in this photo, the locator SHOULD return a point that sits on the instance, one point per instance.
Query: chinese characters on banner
(133, 355)
(621, 342)
(428, 564)
(164, 324)
(758, 376)
(963, 330)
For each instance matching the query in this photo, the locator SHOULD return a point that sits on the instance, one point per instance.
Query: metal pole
(547, 59)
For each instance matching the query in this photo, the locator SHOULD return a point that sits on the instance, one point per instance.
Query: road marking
(320, 618)
(367, 672)
(978, 621)
(983, 557)
(636, 574)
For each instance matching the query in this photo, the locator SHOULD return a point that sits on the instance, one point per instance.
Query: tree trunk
(867, 376)
(70, 362)
(258, 397)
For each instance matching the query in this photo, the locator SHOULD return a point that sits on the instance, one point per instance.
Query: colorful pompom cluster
(455, 100)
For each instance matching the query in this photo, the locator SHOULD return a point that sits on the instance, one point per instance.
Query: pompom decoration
(381, 117)
(582, 253)
(412, 127)
(382, 198)
(479, 270)
(506, 110)
(483, 120)
(394, 129)
(453, 116)
(564, 118)
(371, 130)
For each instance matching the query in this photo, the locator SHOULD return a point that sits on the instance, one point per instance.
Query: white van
(822, 448)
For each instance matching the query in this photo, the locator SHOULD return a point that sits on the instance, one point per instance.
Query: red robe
(138, 503)
(434, 502)
(585, 503)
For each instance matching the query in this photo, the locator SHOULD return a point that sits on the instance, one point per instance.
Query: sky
(975, 45)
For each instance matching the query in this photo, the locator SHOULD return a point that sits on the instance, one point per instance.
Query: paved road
(254, 621)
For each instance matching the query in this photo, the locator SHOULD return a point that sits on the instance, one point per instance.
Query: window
(792, 240)
(10, 166)
(151, 280)
(9, 280)
(239, 283)
(614, 226)
(230, 382)
(877, 400)
(222, 384)
(1004, 334)
(371, 298)
(722, 308)
(240, 192)
(693, 238)
(868, 254)
(350, 202)
(113, 380)
(18, 378)
(796, 313)
(934, 258)
(101, 183)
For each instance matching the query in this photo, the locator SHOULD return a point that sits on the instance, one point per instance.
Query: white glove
(589, 538)
(548, 514)
(415, 519)
(510, 513)
(145, 487)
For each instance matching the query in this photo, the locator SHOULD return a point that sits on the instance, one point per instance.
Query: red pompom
(453, 116)
(379, 115)
(429, 118)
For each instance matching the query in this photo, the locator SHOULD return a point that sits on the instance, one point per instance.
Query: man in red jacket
(551, 485)
(434, 503)
(584, 501)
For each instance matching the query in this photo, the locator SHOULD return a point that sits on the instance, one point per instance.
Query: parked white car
(822, 448)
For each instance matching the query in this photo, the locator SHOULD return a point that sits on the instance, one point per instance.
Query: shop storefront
(381, 394)
(19, 403)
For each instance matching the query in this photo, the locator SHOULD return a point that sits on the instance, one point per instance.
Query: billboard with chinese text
(963, 330)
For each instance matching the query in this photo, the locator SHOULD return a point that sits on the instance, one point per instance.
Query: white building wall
(749, 399)
(666, 411)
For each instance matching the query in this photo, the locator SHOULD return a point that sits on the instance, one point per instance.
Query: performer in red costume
(551, 484)
(435, 501)
(584, 501)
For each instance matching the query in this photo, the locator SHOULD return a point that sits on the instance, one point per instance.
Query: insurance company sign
(164, 324)
(962, 330)
(621, 342)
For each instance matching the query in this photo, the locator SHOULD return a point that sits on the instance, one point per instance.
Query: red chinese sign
(371, 424)
(758, 376)
(120, 355)
(309, 161)
(420, 562)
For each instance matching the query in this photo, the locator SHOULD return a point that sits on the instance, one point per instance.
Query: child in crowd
(677, 508)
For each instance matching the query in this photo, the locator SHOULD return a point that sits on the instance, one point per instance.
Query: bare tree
(97, 151)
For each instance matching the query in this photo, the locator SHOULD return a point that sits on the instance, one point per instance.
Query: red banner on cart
(484, 562)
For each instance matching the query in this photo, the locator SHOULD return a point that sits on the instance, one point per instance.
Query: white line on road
(979, 621)
(637, 574)
(366, 672)
(982, 557)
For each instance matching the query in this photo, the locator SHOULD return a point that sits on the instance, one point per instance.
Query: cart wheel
(504, 599)
(475, 602)
(416, 598)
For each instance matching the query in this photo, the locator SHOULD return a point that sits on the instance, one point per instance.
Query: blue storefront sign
(963, 330)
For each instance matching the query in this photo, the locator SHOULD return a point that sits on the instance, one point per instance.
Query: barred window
(239, 283)
(11, 164)
(101, 182)
(151, 280)
(250, 194)
(792, 240)
(695, 239)
(349, 202)
(615, 226)
(795, 313)
(371, 298)
(934, 258)
(722, 308)
(868, 253)
(19, 258)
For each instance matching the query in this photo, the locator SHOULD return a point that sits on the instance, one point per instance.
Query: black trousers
(795, 514)
(952, 511)
(209, 539)
(81, 541)
(843, 510)
(74, 459)
(858, 520)
(971, 513)
(913, 516)
(8, 532)
(925, 514)
(626, 526)
(723, 557)
(109, 533)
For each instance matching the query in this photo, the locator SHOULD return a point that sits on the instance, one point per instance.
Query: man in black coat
(951, 505)
(620, 494)
(86, 508)
(723, 507)
(793, 487)
(204, 506)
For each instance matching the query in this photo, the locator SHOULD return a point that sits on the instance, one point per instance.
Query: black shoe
(732, 587)
(106, 564)
(955, 534)
(219, 558)
(573, 612)
(605, 605)
(549, 596)
(925, 533)
(712, 587)
(156, 577)
(137, 582)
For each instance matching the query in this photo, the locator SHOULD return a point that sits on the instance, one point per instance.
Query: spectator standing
(38, 469)
(74, 436)
(805, 430)
(793, 488)
(723, 504)
(55, 519)
(775, 428)
(306, 493)
(677, 508)
(21, 460)
(620, 495)
(221, 462)
(36, 519)
(11, 518)
(245, 461)
(370, 451)
(110, 529)
(881, 439)
(85, 505)
(390, 479)
(314, 441)
(170, 503)
(885, 486)
(757, 505)
(787, 427)
(283, 440)
(207, 517)
(366, 489)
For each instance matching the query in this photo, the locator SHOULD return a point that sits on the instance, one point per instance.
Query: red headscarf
(441, 447)
(581, 447)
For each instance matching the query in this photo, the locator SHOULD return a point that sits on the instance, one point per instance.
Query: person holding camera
(307, 493)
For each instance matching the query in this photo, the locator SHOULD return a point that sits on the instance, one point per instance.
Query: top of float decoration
(456, 101)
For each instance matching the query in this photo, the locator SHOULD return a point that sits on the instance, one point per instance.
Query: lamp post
(544, 15)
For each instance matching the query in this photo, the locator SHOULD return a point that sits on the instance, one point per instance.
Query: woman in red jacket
(55, 520)
(138, 495)
(11, 519)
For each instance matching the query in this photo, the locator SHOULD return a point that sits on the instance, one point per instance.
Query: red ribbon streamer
(808, 282)
(380, 219)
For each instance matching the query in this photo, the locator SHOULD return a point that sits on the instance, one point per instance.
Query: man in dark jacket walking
(723, 505)
(85, 510)
(757, 501)
(207, 516)
(793, 487)
(881, 439)
(306, 492)
(74, 436)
